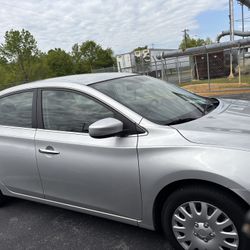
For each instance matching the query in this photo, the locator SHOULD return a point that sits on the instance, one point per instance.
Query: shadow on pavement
(28, 225)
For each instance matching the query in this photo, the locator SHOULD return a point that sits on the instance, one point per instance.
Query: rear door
(18, 167)
(98, 174)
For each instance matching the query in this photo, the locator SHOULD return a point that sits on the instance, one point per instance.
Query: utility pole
(243, 21)
(231, 19)
(243, 30)
(185, 36)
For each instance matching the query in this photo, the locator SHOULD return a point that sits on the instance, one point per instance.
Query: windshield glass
(156, 100)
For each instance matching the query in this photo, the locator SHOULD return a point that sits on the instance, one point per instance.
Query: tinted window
(16, 110)
(69, 111)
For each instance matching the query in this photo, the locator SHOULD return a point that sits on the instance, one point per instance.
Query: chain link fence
(105, 70)
(175, 70)
(225, 69)
(211, 71)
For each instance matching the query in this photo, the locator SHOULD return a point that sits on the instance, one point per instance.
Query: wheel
(202, 218)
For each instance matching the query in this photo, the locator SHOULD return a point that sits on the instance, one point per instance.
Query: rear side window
(16, 110)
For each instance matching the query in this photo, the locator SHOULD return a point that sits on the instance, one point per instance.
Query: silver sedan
(133, 149)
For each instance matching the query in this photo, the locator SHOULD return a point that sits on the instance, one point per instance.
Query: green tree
(3, 60)
(189, 42)
(79, 66)
(59, 62)
(3, 72)
(90, 55)
(89, 51)
(141, 48)
(20, 48)
(21, 61)
(40, 68)
(105, 58)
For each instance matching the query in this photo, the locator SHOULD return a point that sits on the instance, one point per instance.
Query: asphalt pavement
(26, 225)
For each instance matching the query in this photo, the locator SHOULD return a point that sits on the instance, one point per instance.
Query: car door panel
(18, 167)
(100, 174)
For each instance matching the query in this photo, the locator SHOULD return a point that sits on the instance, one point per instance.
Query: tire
(192, 213)
(2, 199)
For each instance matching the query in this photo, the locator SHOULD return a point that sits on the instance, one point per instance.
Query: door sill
(89, 211)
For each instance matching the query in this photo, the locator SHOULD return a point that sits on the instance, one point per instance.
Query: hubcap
(203, 231)
(202, 226)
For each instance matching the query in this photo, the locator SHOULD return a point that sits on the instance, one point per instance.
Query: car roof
(81, 79)
(87, 79)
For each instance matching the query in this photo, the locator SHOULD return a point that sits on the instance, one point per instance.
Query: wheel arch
(166, 191)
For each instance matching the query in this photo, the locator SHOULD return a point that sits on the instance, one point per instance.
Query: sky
(118, 24)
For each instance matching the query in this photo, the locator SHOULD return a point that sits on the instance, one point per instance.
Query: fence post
(166, 69)
(178, 70)
(162, 70)
(208, 73)
(142, 65)
(239, 67)
(191, 66)
(196, 67)
(156, 69)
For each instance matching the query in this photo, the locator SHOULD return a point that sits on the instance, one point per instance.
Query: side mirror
(105, 128)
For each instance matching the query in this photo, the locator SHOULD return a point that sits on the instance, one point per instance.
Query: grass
(244, 79)
(218, 88)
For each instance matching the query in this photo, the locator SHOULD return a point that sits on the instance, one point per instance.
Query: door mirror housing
(105, 128)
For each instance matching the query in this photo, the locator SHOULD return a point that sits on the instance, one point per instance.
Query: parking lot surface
(28, 225)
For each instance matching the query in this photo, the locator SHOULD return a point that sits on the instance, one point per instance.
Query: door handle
(49, 150)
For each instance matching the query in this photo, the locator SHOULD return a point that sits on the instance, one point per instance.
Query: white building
(145, 62)
(127, 62)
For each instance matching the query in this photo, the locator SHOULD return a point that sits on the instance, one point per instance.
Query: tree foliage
(141, 48)
(189, 42)
(90, 55)
(20, 48)
(21, 60)
(59, 63)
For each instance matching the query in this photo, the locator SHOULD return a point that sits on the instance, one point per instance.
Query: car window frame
(33, 109)
(133, 128)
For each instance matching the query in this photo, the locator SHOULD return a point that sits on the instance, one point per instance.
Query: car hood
(227, 126)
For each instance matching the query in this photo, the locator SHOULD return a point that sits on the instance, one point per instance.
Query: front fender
(162, 165)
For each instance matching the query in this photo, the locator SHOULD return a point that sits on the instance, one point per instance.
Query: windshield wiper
(181, 120)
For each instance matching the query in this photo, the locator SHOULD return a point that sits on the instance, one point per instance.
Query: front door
(99, 174)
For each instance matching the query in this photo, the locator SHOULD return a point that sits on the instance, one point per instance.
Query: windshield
(156, 100)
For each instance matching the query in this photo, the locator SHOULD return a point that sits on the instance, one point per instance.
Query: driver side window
(69, 111)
